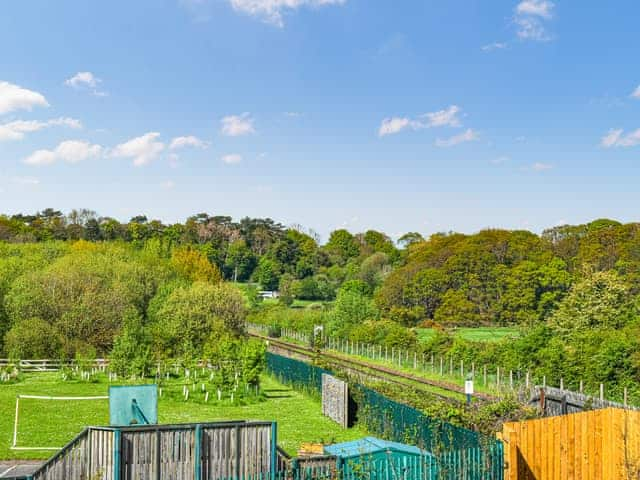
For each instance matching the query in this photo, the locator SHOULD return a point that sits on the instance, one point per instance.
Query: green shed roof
(369, 445)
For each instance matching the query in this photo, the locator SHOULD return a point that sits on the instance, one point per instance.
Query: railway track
(370, 370)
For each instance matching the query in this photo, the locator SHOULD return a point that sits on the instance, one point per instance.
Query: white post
(602, 391)
(15, 424)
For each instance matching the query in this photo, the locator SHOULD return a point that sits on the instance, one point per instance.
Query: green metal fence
(460, 453)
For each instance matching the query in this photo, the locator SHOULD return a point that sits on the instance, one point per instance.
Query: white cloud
(85, 80)
(494, 46)
(442, 118)
(232, 158)
(70, 151)
(18, 129)
(272, 11)
(539, 8)
(237, 125)
(616, 138)
(142, 149)
(13, 97)
(41, 157)
(529, 18)
(636, 93)
(468, 136)
(393, 125)
(187, 141)
(541, 167)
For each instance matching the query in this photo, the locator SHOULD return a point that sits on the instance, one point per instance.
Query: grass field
(49, 423)
(475, 334)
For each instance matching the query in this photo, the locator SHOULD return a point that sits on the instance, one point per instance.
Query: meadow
(473, 334)
(54, 423)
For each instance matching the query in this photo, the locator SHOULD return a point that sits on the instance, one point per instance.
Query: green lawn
(476, 334)
(49, 423)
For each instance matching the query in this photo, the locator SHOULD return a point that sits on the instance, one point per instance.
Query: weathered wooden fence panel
(555, 401)
(599, 444)
(335, 399)
(171, 452)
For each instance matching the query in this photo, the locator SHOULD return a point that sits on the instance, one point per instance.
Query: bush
(33, 338)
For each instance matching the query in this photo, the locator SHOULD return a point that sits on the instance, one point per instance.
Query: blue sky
(395, 115)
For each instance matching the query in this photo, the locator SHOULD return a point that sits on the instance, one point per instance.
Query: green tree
(456, 309)
(601, 300)
(32, 338)
(268, 273)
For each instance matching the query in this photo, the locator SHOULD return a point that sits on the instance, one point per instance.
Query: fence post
(581, 386)
(601, 391)
(274, 450)
(441, 367)
(462, 368)
(498, 377)
(561, 383)
(117, 446)
(484, 375)
(197, 467)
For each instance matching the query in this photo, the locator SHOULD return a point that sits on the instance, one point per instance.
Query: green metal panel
(197, 474)
(117, 459)
(133, 405)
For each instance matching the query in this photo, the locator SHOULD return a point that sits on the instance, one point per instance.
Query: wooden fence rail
(595, 445)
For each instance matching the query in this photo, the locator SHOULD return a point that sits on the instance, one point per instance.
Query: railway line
(444, 390)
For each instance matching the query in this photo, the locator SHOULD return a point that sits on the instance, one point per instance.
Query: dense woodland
(79, 284)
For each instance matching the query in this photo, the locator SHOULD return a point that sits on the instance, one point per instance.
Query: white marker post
(468, 390)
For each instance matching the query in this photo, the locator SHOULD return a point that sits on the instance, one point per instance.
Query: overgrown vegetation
(142, 291)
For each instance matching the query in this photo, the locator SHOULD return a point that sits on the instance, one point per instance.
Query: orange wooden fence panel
(595, 445)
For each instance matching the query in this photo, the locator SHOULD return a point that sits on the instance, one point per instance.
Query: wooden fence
(51, 365)
(599, 444)
(172, 452)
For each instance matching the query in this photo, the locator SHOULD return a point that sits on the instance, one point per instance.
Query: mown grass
(50, 423)
(473, 334)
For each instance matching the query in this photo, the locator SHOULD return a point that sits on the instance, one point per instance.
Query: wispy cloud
(237, 125)
(143, 150)
(636, 93)
(187, 141)
(494, 46)
(86, 80)
(500, 160)
(25, 181)
(70, 151)
(273, 11)
(13, 97)
(541, 167)
(442, 118)
(469, 135)
(530, 19)
(232, 158)
(536, 8)
(17, 130)
(617, 138)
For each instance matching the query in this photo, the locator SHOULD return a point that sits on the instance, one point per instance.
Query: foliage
(194, 266)
(189, 315)
(32, 338)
